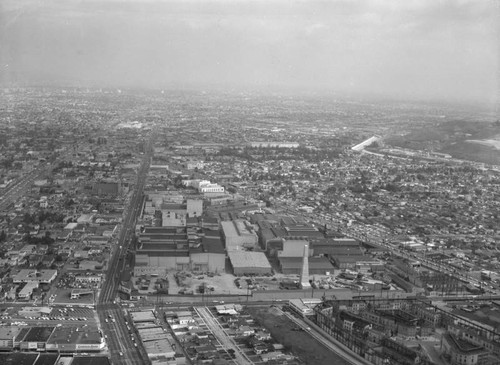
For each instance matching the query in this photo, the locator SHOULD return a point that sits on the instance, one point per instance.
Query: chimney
(304, 275)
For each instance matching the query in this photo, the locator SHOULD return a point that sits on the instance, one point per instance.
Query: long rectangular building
(239, 235)
(161, 249)
(247, 262)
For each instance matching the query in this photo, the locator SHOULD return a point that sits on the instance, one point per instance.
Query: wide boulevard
(122, 344)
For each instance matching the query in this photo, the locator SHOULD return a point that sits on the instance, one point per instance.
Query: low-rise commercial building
(460, 352)
(73, 339)
(34, 276)
(7, 335)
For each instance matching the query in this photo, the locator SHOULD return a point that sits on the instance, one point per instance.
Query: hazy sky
(422, 48)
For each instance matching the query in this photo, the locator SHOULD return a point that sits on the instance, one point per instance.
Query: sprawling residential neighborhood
(160, 228)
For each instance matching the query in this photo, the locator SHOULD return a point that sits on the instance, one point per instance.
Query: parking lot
(63, 296)
(71, 313)
(74, 316)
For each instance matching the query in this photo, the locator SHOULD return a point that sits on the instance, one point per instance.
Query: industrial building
(290, 253)
(293, 248)
(317, 265)
(274, 229)
(249, 263)
(175, 210)
(209, 255)
(239, 235)
(162, 249)
(345, 253)
(176, 215)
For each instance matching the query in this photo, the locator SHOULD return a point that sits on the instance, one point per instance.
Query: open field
(467, 140)
(299, 343)
(473, 152)
(495, 143)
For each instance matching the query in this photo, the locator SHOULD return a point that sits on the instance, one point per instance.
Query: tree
(391, 187)
(28, 218)
(3, 236)
(178, 181)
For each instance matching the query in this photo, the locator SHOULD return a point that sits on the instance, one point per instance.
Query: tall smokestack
(304, 275)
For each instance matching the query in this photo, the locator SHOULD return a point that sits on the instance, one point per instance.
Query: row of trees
(43, 216)
(35, 240)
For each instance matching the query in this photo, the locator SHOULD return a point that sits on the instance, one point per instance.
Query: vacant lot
(298, 342)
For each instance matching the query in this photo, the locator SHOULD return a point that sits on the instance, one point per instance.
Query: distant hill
(461, 139)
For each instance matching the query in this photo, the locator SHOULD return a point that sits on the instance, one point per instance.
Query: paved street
(18, 188)
(123, 350)
(223, 338)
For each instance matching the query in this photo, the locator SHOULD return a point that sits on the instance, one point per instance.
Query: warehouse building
(290, 256)
(345, 253)
(73, 339)
(317, 265)
(249, 263)
(239, 235)
(293, 248)
(209, 255)
(297, 228)
(271, 237)
(162, 249)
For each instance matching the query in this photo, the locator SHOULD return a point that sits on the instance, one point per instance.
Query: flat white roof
(40, 276)
(71, 226)
(142, 316)
(248, 259)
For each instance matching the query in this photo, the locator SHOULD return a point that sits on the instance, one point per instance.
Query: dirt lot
(217, 284)
(299, 342)
(63, 296)
(220, 284)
